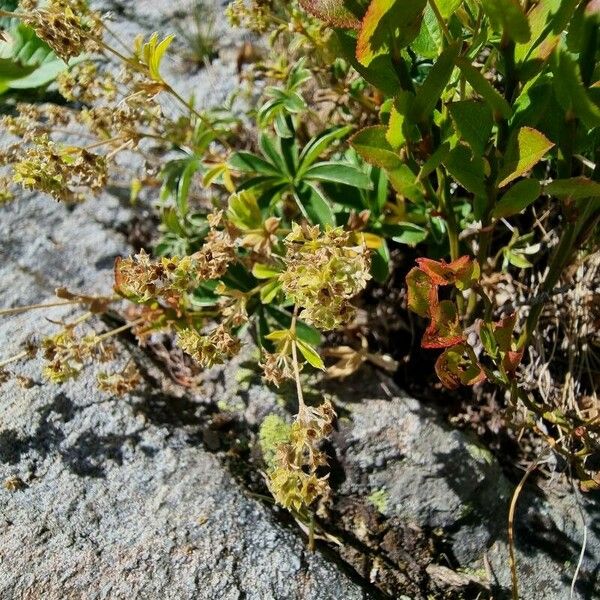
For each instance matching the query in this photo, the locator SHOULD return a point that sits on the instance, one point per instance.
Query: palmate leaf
(339, 172)
(314, 205)
(26, 61)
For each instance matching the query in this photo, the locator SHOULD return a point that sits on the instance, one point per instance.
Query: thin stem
(557, 264)
(14, 358)
(511, 531)
(301, 404)
(118, 330)
(19, 309)
(441, 22)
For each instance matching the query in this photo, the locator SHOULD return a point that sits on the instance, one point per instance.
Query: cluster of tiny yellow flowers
(61, 171)
(323, 272)
(250, 14)
(294, 480)
(211, 349)
(67, 26)
(65, 355)
(141, 278)
(31, 121)
(120, 383)
(277, 367)
(83, 82)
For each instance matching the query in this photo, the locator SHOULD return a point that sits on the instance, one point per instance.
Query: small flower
(324, 271)
(120, 383)
(209, 350)
(67, 26)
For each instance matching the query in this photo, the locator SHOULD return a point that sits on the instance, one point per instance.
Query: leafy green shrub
(449, 125)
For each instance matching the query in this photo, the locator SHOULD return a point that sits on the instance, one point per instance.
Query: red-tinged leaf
(462, 272)
(503, 332)
(387, 24)
(445, 329)
(335, 12)
(420, 289)
(458, 366)
(511, 360)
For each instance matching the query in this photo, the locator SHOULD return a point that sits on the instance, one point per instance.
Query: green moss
(273, 432)
(379, 499)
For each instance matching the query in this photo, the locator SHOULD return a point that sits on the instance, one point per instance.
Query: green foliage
(446, 126)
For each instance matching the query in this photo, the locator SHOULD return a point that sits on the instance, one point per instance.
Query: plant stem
(441, 22)
(19, 309)
(561, 257)
(301, 404)
(14, 358)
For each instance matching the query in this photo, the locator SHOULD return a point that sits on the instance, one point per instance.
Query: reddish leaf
(445, 329)
(334, 13)
(512, 360)
(503, 332)
(420, 291)
(462, 272)
(458, 366)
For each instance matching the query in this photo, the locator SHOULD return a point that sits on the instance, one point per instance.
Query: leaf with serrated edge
(525, 149)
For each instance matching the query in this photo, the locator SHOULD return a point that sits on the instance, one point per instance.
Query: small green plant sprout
(198, 33)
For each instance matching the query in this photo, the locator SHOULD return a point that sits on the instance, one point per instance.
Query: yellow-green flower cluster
(294, 480)
(324, 271)
(251, 14)
(209, 350)
(61, 171)
(142, 278)
(65, 355)
(67, 26)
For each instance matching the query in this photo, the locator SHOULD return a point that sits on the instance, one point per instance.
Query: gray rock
(118, 498)
(442, 481)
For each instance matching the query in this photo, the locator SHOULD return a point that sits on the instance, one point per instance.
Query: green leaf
(575, 188)
(336, 13)
(261, 271)
(401, 127)
(313, 205)
(269, 150)
(246, 162)
(526, 147)
(420, 291)
(430, 92)
(310, 354)
(183, 187)
(269, 292)
(448, 7)
(474, 122)
(405, 182)
(243, 210)
(484, 88)
(517, 260)
(570, 91)
(372, 145)
(430, 39)
(304, 331)
(405, 233)
(380, 72)
(468, 169)
(387, 24)
(337, 172)
(517, 198)
(508, 17)
(380, 263)
(317, 145)
(434, 161)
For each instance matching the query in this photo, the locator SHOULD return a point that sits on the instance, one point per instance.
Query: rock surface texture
(144, 497)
